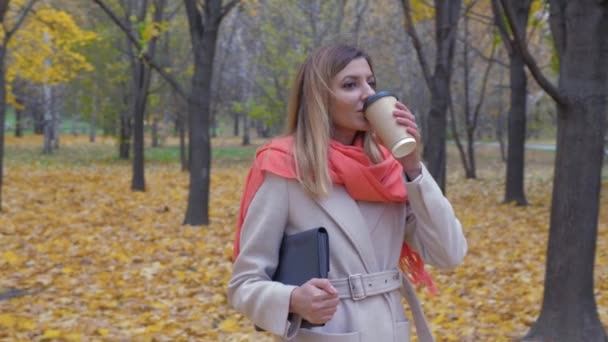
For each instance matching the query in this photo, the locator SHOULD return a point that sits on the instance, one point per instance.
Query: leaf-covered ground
(84, 258)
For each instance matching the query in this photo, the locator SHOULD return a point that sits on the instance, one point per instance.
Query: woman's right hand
(315, 301)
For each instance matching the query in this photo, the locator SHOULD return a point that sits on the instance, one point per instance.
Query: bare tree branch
(142, 54)
(484, 57)
(173, 12)
(229, 7)
(502, 27)
(3, 10)
(455, 135)
(482, 18)
(520, 44)
(195, 17)
(26, 9)
(483, 85)
(411, 30)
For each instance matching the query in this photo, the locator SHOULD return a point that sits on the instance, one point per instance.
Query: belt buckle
(352, 286)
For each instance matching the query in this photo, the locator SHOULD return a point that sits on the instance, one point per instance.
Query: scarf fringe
(412, 265)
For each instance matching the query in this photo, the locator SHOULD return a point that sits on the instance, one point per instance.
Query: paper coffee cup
(378, 111)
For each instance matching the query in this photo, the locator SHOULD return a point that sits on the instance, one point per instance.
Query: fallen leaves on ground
(89, 259)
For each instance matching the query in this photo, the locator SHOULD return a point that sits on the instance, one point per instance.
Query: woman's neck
(346, 138)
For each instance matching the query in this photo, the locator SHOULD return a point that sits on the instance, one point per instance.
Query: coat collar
(345, 212)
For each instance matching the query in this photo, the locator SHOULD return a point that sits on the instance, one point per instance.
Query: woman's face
(350, 87)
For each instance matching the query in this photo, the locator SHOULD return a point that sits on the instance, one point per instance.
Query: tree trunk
(514, 185)
(500, 136)
(142, 74)
(235, 125)
(203, 33)
(47, 146)
(38, 115)
(2, 109)
(56, 112)
(181, 125)
(246, 136)
(124, 132)
(18, 122)
(124, 146)
(569, 311)
(514, 188)
(469, 161)
(154, 129)
(472, 168)
(434, 142)
(138, 180)
(447, 13)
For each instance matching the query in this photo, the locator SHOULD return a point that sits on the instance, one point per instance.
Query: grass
(171, 154)
(78, 151)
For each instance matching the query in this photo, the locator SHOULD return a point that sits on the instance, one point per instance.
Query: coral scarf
(350, 167)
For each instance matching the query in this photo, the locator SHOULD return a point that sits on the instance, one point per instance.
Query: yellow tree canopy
(46, 49)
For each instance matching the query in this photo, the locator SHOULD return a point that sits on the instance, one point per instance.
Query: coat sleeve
(251, 290)
(432, 228)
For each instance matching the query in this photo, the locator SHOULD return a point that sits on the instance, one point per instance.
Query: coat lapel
(345, 212)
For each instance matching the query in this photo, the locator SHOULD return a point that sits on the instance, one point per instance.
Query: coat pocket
(402, 330)
(306, 335)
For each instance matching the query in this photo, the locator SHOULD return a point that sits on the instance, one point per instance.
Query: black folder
(303, 256)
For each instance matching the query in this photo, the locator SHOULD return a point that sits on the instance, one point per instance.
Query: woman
(329, 171)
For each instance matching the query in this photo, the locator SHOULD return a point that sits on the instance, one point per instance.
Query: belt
(360, 286)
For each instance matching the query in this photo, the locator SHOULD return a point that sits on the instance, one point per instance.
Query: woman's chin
(366, 127)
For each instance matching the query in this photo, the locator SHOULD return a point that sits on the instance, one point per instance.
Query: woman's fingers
(317, 300)
(405, 118)
(406, 122)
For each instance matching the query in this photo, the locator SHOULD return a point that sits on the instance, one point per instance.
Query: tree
(514, 185)
(569, 311)
(51, 58)
(471, 115)
(5, 37)
(204, 22)
(143, 36)
(447, 13)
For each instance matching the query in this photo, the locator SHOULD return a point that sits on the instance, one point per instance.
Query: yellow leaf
(7, 320)
(103, 332)
(51, 333)
(158, 305)
(11, 257)
(229, 325)
(154, 328)
(73, 337)
(25, 324)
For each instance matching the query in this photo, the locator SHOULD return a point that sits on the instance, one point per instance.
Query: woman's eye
(349, 85)
(372, 84)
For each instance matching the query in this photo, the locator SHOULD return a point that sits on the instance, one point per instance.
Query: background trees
(569, 311)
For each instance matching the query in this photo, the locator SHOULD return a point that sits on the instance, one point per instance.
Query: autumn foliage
(84, 258)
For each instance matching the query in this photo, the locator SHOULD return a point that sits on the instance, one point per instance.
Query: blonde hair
(309, 120)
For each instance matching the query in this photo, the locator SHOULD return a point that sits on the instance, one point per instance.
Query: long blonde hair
(309, 120)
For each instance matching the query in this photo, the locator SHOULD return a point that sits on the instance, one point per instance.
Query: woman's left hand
(411, 163)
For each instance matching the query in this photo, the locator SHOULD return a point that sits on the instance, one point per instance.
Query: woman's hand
(411, 163)
(315, 301)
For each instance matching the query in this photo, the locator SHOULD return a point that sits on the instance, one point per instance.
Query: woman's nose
(368, 91)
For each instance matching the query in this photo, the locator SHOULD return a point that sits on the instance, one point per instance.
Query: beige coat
(364, 237)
